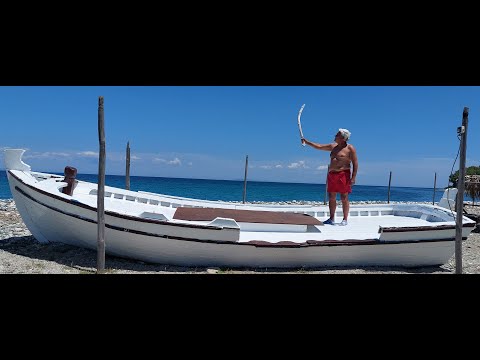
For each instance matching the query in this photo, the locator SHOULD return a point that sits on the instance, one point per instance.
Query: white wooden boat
(189, 232)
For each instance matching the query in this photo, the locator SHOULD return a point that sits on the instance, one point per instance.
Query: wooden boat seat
(249, 216)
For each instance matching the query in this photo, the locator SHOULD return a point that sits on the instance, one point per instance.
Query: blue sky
(206, 132)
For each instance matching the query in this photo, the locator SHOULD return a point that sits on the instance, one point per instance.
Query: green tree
(471, 188)
(471, 170)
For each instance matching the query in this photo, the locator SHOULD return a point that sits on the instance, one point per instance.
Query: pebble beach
(21, 253)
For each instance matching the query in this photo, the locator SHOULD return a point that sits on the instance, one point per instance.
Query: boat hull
(51, 219)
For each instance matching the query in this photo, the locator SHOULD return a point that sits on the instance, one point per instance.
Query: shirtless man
(339, 178)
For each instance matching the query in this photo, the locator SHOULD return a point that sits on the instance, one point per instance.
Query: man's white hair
(345, 133)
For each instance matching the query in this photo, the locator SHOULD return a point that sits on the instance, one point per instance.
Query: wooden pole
(462, 131)
(245, 180)
(434, 187)
(389, 182)
(326, 186)
(127, 170)
(101, 191)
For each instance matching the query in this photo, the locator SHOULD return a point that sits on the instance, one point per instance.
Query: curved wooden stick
(300, 124)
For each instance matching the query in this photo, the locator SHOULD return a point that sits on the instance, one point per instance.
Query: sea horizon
(256, 191)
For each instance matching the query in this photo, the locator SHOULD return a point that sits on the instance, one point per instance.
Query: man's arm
(354, 162)
(326, 147)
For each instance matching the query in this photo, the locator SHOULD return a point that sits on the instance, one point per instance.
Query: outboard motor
(70, 174)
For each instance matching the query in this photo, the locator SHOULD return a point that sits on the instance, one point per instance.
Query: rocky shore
(21, 253)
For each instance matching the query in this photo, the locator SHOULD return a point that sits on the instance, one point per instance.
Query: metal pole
(461, 189)
(326, 184)
(389, 182)
(245, 180)
(127, 170)
(434, 187)
(101, 191)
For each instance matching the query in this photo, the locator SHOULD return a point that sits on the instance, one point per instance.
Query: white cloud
(46, 155)
(298, 165)
(175, 161)
(322, 167)
(267, 167)
(88, 154)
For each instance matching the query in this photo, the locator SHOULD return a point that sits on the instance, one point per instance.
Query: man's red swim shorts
(339, 182)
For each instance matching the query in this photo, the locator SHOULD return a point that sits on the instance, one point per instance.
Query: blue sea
(231, 190)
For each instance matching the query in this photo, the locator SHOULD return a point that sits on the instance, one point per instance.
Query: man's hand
(352, 181)
(302, 140)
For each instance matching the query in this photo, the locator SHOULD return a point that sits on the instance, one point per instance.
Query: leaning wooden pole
(245, 180)
(127, 170)
(434, 188)
(389, 182)
(101, 191)
(462, 131)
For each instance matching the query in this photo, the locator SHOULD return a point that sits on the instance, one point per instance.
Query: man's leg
(345, 205)
(332, 204)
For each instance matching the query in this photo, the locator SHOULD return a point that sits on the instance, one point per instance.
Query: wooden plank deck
(250, 216)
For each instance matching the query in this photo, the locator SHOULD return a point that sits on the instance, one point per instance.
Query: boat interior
(364, 221)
